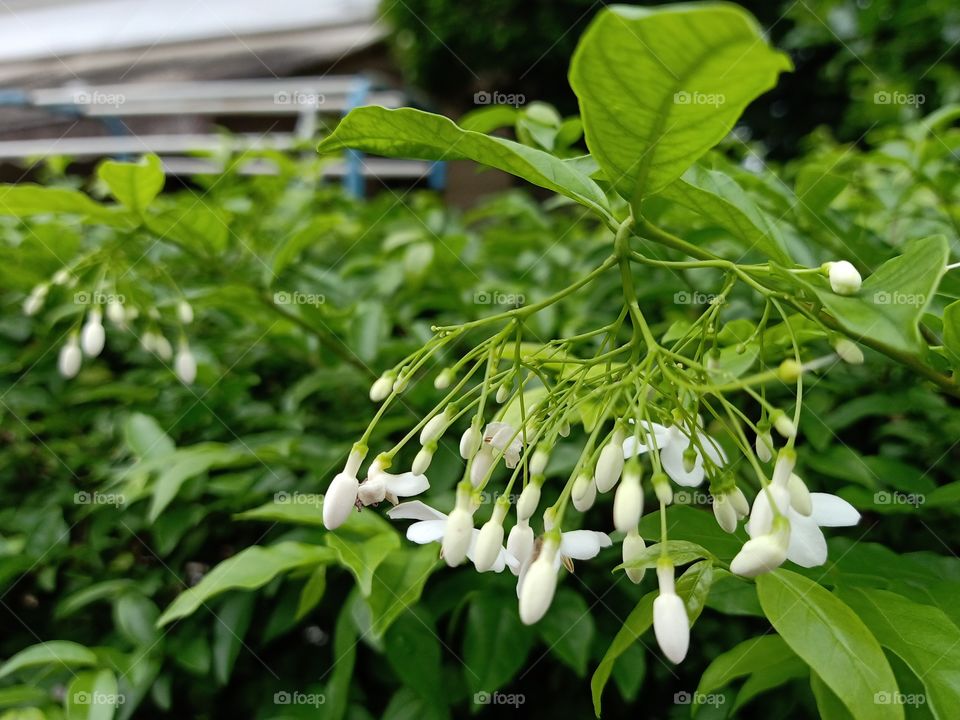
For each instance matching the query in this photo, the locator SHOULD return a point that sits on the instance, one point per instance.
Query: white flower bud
(564, 429)
(115, 312)
(784, 425)
(538, 463)
(456, 535)
(434, 428)
(584, 492)
(724, 512)
(357, 453)
(400, 384)
(610, 463)
(671, 625)
(799, 495)
(662, 488)
(764, 445)
(381, 387)
(481, 464)
(490, 539)
(633, 547)
(844, 278)
(539, 585)
(528, 501)
(848, 351)
(786, 459)
(503, 392)
(628, 501)
(340, 499)
(185, 364)
(61, 277)
(520, 543)
(739, 502)
(92, 335)
(70, 358)
(162, 347)
(470, 442)
(184, 312)
(763, 553)
(34, 301)
(421, 463)
(762, 514)
(443, 379)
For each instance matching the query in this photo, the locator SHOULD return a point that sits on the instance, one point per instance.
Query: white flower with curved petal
(808, 546)
(506, 439)
(430, 526)
(381, 486)
(634, 446)
(574, 545)
(673, 442)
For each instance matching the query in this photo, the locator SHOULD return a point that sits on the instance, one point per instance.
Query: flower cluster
(641, 405)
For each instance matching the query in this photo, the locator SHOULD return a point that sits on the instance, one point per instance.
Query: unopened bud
(633, 547)
(443, 379)
(470, 442)
(848, 351)
(184, 312)
(70, 358)
(421, 463)
(584, 492)
(662, 487)
(381, 387)
(529, 499)
(844, 278)
(784, 425)
(789, 371)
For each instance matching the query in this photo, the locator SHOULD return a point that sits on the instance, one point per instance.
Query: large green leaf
(92, 696)
(568, 629)
(247, 570)
(721, 200)
(658, 87)
(496, 643)
(134, 184)
(832, 640)
(412, 133)
(891, 302)
(693, 586)
(363, 557)
(398, 583)
(744, 659)
(921, 635)
(27, 199)
(62, 653)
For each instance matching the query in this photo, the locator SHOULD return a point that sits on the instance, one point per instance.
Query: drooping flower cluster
(641, 404)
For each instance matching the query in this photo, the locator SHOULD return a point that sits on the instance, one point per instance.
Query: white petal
(761, 514)
(426, 531)
(712, 448)
(672, 458)
(808, 546)
(832, 511)
(583, 544)
(671, 626)
(406, 484)
(414, 510)
(632, 446)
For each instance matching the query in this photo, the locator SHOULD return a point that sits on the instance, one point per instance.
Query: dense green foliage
(161, 541)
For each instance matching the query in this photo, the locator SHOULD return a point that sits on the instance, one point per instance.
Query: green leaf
(135, 616)
(693, 586)
(721, 200)
(658, 87)
(93, 696)
(27, 199)
(696, 526)
(828, 704)
(568, 630)
(364, 557)
(921, 635)
(398, 583)
(891, 302)
(413, 651)
(680, 551)
(951, 334)
(247, 570)
(832, 640)
(496, 642)
(145, 438)
(744, 659)
(229, 629)
(312, 591)
(286, 509)
(134, 184)
(61, 653)
(198, 228)
(416, 134)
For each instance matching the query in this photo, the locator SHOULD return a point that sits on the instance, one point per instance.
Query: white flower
(671, 625)
(528, 501)
(506, 439)
(92, 335)
(610, 462)
(633, 547)
(844, 278)
(70, 358)
(808, 546)
(339, 500)
(764, 445)
(848, 351)
(490, 539)
(443, 379)
(574, 545)
(381, 485)
(584, 492)
(784, 425)
(116, 313)
(162, 347)
(538, 583)
(34, 301)
(520, 544)
(480, 466)
(185, 364)
(184, 312)
(433, 428)
(421, 463)
(725, 512)
(382, 387)
(431, 526)
(470, 442)
(458, 535)
(538, 463)
(628, 501)
(61, 277)
(675, 452)
(764, 552)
